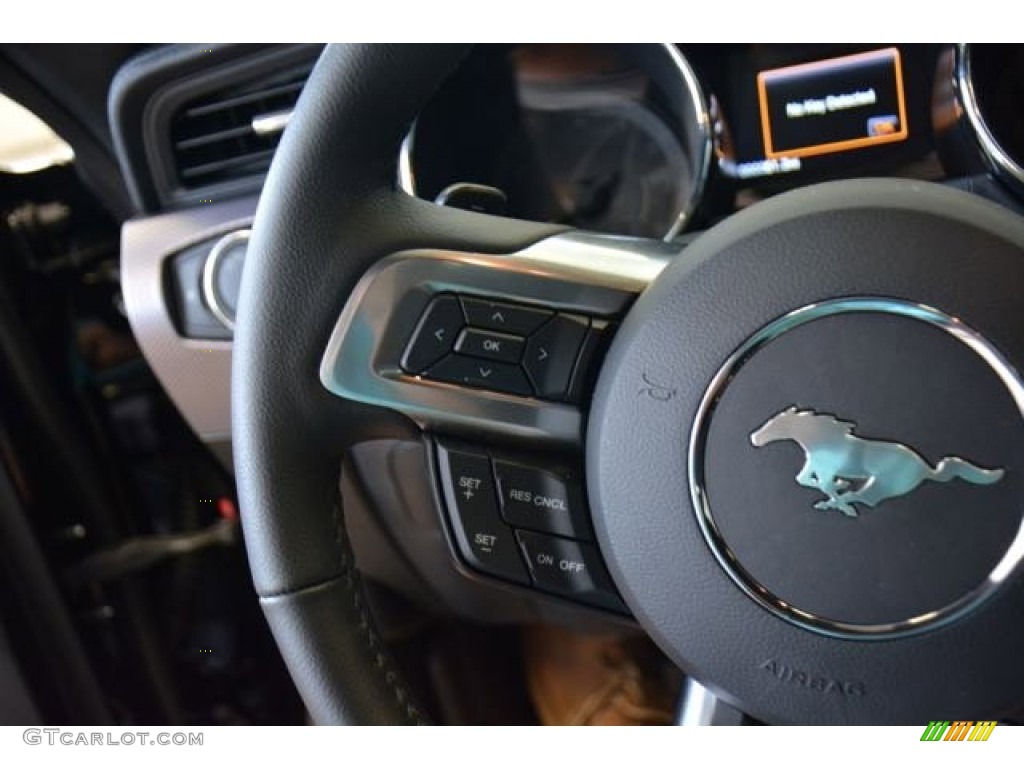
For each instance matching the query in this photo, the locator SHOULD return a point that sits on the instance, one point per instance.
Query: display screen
(832, 105)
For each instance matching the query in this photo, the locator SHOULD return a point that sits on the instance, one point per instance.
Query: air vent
(232, 133)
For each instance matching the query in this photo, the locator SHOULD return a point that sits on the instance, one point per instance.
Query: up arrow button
(515, 319)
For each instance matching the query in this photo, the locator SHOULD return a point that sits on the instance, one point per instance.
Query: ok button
(490, 345)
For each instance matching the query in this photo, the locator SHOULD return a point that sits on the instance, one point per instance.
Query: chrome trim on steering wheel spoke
(575, 272)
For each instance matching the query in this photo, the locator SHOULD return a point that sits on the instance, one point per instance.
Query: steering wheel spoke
(474, 343)
(495, 356)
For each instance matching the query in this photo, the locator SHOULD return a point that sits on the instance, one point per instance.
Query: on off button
(569, 568)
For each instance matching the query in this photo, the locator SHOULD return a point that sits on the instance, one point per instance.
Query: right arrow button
(551, 354)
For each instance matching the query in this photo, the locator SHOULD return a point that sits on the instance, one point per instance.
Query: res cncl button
(542, 501)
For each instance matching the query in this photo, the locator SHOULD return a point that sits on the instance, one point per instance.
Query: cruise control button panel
(503, 511)
(511, 348)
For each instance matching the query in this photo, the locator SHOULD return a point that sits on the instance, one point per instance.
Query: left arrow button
(434, 335)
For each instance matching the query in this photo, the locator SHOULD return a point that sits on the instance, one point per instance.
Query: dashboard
(608, 138)
(649, 141)
(640, 141)
(654, 141)
(787, 116)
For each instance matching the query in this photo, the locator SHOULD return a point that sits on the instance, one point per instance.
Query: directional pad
(515, 349)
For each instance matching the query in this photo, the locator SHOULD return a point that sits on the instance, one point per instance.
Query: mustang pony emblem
(855, 470)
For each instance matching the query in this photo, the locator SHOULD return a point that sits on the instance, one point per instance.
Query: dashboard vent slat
(257, 159)
(292, 90)
(212, 136)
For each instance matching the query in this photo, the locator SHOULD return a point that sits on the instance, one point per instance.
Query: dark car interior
(511, 384)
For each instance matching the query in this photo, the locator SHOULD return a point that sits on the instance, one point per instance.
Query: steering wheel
(804, 454)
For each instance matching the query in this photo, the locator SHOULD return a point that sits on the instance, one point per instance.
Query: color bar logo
(959, 730)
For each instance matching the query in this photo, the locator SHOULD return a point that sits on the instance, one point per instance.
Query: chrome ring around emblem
(1011, 559)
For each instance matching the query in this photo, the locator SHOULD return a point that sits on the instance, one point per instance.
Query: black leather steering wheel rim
(893, 251)
(328, 211)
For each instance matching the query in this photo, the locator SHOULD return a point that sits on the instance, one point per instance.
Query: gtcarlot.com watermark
(73, 738)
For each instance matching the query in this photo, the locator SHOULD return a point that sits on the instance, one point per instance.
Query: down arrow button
(551, 354)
